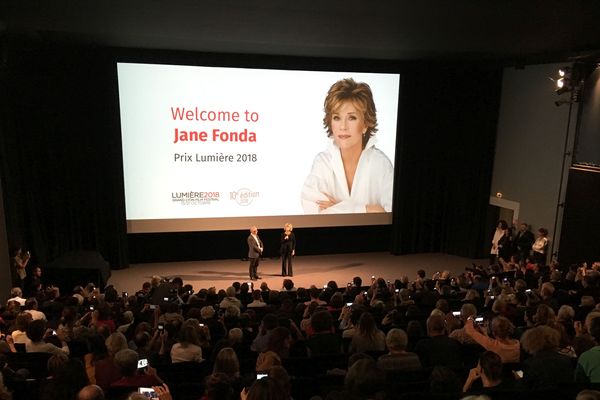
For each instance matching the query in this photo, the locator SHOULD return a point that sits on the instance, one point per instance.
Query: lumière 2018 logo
(243, 197)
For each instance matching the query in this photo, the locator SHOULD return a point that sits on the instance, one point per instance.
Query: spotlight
(563, 83)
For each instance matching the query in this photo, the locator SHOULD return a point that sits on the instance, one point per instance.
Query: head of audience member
(490, 365)
(472, 295)
(155, 281)
(443, 306)
(337, 300)
(227, 363)
(444, 381)
(91, 392)
(230, 292)
(31, 304)
(544, 315)
(218, 387)
(56, 363)
(502, 328)
(588, 394)
(542, 338)
(280, 341)
(357, 281)
(321, 321)
(36, 330)
(22, 321)
(280, 375)
(288, 284)
(363, 379)
(467, 310)
(126, 361)
(396, 341)
(265, 388)
(436, 325)
(235, 335)
(115, 343)
(207, 312)
(566, 313)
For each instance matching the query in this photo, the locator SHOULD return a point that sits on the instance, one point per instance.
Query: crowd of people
(512, 327)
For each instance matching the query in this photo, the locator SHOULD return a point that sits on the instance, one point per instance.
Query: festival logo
(243, 197)
(192, 198)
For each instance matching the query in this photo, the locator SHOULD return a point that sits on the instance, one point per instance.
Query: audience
(97, 337)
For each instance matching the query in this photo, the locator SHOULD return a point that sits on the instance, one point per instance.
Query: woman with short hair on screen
(352, 175)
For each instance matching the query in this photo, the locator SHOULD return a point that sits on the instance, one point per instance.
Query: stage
(308, 270)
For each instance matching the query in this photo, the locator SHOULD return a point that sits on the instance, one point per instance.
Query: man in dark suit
(255, 249)
(523, 241)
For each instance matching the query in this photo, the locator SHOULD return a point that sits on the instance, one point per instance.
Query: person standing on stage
(287, 249)
(255, 250)
(523, 242)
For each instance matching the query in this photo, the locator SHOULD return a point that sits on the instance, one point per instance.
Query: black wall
(580, 235)
(62, 167)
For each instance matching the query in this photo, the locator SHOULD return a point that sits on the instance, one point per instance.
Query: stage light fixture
(563, 83)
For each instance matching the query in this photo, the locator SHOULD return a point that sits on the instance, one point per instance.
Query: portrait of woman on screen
(352, 175)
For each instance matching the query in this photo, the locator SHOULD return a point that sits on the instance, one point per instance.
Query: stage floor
(308, 270)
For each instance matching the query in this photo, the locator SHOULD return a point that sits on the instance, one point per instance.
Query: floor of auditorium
(308, 270)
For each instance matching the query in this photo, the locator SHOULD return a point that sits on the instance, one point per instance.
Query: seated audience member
(367, 337)
(583, 340)
(444, 381)
(467, 310)
(266, 361)
(398, 359)
(588, 366)
(19, 334)
(265, 388)
(68, 377)
(215, 327)
(588, 394)
(91, 392)
(280, 342)
(502, 344)
(261, 342)
(363, 381)
(489, 370)
(188, 348)
(324, 340)
(230, 299)
(280, 375)
(127, 362)
(16, 295)
(257, 300)
(36, 332)
(227, 364)
(172, 315)
(218, 387)
(546, 368)
(102, 316)
(31, 306)
(105, 370)
(438, 349)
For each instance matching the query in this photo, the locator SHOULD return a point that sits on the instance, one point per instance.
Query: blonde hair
(288, 227)
(361, 97)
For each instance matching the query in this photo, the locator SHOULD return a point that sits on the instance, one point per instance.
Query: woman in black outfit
(287, 249)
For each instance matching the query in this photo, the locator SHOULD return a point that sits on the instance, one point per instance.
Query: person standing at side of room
(499, 233)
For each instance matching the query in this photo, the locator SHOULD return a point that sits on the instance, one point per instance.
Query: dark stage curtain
(62, 166)
(445, 148)
(61, 157)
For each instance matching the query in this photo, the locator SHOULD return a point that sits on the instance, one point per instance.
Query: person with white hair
(230, 300)
(16, 295)
(398, 359)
